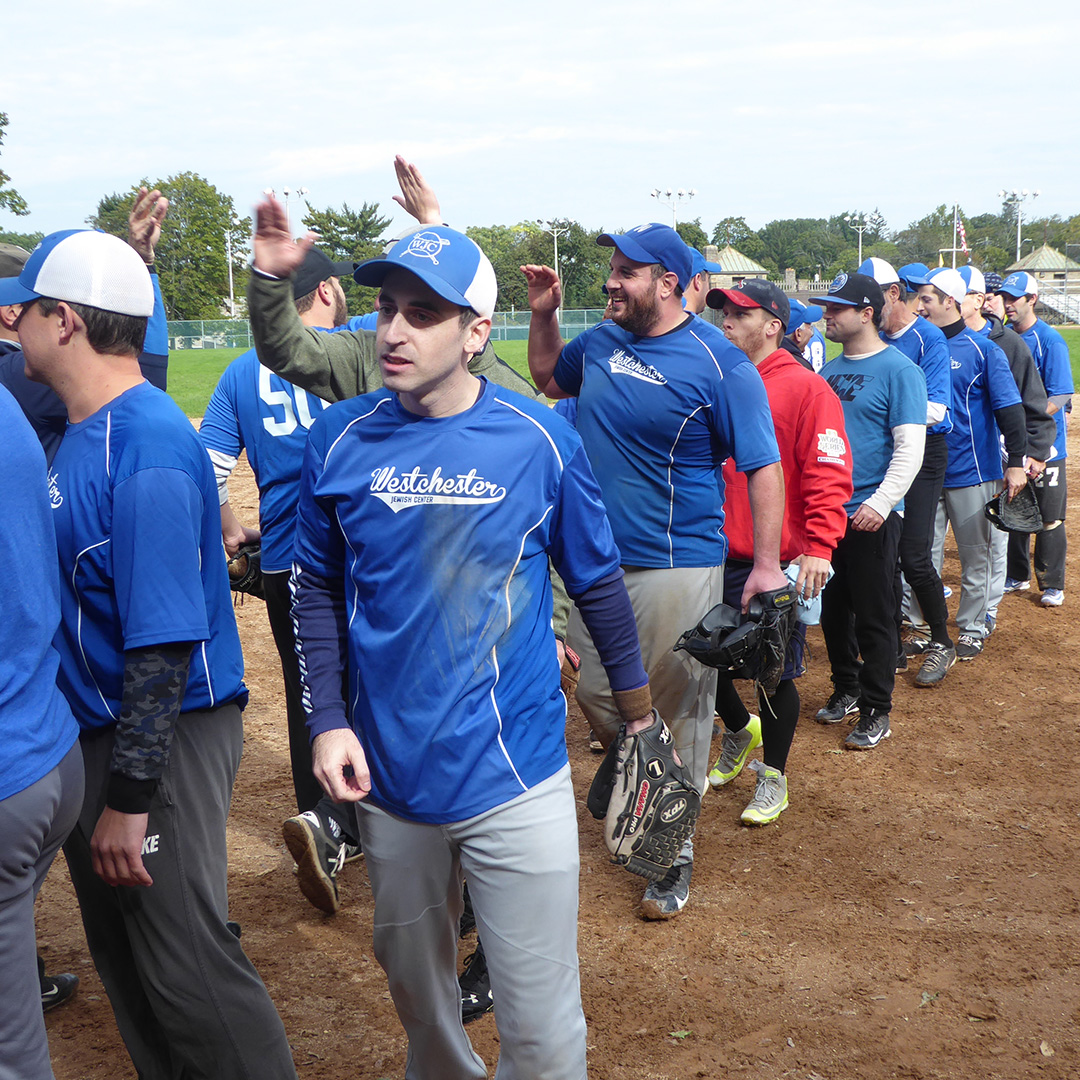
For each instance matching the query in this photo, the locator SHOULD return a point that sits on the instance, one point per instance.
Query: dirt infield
(913, 914)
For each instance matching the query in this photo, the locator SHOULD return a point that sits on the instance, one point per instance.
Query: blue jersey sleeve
(907, 402)
(1003, 389)
(1057, 367)
(935, 368)
(154, 359)
(570, 367)
(320, 545)
(742, 419)
(220, 428)
(159, 600)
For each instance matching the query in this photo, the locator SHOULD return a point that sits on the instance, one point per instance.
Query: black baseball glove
(647, 800)
(1022, 515)
(245, 571)
(750, 646)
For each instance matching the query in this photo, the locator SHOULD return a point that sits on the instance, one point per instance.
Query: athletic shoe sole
(315, 883)
(755, 817)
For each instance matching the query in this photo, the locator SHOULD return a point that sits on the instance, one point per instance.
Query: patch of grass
(193, 374)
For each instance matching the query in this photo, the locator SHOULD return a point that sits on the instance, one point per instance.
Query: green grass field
(193, 373)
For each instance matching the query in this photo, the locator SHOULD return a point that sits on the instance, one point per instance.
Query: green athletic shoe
(770, 799)
(735, 748)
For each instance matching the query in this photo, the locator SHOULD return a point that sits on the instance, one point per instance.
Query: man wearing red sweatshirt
(809, 422)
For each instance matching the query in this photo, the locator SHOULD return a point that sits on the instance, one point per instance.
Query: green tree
(693, 235)
(350, 234)
(922, 240)
(191, 255)
(10, 199)
(27, 241)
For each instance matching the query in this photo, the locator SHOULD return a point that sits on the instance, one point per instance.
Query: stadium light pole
(555, 229)
(234, 223)
(671, 197)
(861, 222)
(289, 193)
(1016, 198)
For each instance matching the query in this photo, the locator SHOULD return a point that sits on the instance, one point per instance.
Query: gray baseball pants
(962, 508)
(187, 1000)
(665, 603)
(33, 825)
(521, 861)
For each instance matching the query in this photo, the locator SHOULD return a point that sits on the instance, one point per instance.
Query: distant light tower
(672, 197)
(1017, 198)
(299, 193)
(555, 230)
(861, 222)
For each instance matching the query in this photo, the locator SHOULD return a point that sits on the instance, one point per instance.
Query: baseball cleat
(770, 797)
(939, 658)
(664, 899)
(735, 747)
(870, 729)
(319, 858)
(1016, 585)
(475, 983)
(968, 646)
(839, 706)
(57, 989)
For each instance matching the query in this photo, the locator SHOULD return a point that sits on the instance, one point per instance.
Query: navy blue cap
(853, 290)
(754, 292)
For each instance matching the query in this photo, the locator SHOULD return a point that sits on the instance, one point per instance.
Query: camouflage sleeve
(155, 679)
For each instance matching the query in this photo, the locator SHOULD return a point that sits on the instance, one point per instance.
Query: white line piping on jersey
(78, 624)
(671, 487)
(710, 352)
(108, 439)
(494, 649)
(547, 436)
(378, 405)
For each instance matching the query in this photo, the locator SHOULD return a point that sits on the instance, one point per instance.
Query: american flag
(963, 235)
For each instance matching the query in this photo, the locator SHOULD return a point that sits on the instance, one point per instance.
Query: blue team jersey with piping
(138, 531)
(878, 392)
(925, 344)
(438, 530)
(254, 409)
(658, 416)
(1051, 354)
(982, 382)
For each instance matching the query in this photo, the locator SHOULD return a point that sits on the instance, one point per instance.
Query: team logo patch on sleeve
(623, 363)
(399, 491)
(831, 447)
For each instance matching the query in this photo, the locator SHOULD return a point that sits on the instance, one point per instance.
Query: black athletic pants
(917, 543)
(858, 614)
(1050, 545)
(309, 794)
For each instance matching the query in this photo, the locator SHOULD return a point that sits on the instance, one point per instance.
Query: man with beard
(254, 409)
(663, 399)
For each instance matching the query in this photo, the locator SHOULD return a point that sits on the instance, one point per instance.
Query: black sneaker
(319, 857)
(664, 899)
(870, 729)
(939, 659)
(968, 647)
(839, 706)
(57, 989)
(475, 986)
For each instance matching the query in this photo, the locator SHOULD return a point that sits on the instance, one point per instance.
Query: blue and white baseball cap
(700, 265)
(654, 243)
(447, 261)
(973, 278)
(880, 270)
(83, 266)
(949, 282)
(913, 275)
(1019, 284)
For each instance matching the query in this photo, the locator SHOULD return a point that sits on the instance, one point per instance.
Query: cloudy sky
(519, 111)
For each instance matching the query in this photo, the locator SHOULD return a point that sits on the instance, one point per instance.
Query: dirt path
(913, 914)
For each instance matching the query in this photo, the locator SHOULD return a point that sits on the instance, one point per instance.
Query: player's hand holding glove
(1020, 514)
(746, 647)
(245, 571)
(647, 800)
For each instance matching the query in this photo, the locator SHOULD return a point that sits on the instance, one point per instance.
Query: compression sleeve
(909, 440)
(155, 679)
(605, 609)
(1012, 423)
(320, 625)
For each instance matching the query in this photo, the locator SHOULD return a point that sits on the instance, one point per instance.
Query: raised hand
(144, 222)
(276, 253)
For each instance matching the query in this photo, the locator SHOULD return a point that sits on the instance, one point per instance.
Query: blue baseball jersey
(138, 530)
(814, 353)
(254, 409)
(981, 383)
(36, 725)
(658, 416)
(924, 343)
(438, 530)
(1051, 355)
(878, 393)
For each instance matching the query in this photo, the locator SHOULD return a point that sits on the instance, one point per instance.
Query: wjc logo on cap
(426, 245)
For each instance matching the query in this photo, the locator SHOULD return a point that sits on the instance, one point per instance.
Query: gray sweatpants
(962, 508)
(33, 824)
(521, 861)
(665, 603)
(187, 1000)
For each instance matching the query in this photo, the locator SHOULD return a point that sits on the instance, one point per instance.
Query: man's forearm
(545, 344)
(765, 487)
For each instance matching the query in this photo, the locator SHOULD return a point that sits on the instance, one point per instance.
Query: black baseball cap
(751, 293)
(315, 269)
(854, 290)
